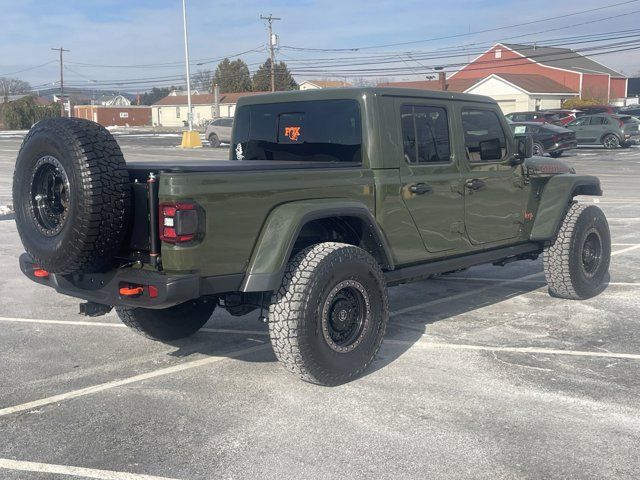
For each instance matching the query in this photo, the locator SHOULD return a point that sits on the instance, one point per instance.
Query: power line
(447, 37)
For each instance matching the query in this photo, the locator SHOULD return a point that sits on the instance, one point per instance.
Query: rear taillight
(178, 222)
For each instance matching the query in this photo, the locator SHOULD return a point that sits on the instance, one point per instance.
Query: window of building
(425, 134)
(177, 112)
(482, 128)
(498, 53)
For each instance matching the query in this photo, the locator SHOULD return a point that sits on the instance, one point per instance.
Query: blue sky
(119, 32)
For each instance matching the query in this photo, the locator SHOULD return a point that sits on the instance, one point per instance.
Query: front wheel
(538, 149)
(171, 323)
(610, 141)
(577, 262)
(327, 320)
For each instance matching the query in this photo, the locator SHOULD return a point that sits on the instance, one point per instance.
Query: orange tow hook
(131, 290)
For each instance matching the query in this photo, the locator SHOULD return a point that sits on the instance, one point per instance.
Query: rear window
(315, 131)
(629, 120)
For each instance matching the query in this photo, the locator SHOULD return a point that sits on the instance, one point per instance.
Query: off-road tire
(610, 141)
(296, 313)
(564, 260)
(93, 180)
(214, 141)
(538, 149)
(171, 323)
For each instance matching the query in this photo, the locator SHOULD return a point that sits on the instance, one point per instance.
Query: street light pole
(190, 139)
(186, 56)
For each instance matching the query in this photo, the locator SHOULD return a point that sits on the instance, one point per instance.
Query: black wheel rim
(345, 316)
(49, 196)
(591, 253)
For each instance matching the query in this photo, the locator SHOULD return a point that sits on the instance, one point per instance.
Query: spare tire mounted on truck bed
(71, 195)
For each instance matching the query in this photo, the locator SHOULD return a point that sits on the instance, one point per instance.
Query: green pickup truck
(328, 198)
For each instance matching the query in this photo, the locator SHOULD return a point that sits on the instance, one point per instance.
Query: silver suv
(218, 131)
(612, 131)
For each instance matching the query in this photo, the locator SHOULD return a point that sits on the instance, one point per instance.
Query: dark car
(547, 138)
(633, 111)
(539, 117)
(611, 131)
(596, 109)
(565, 115)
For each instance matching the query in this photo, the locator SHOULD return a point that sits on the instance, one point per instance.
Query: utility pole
(62, 82)
(270, 20)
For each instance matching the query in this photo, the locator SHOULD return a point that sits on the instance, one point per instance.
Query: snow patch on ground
(6, 209)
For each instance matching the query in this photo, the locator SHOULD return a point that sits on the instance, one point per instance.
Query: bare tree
(203, 80)
(13, 86)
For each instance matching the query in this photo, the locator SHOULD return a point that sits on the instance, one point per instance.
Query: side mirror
(490, 149)
(524, 147)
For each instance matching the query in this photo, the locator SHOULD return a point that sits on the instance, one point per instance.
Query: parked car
(541, 117)
(565, 115)
(595, 109)
(332, 197)
(547, 138)
(633, 111)
(218, 131)
(611, 131)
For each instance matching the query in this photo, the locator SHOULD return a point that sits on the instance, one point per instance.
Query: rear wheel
(610, 141)
(538, 149)
(170, 323)
(577, 263)
(327, 320)
(214, 141)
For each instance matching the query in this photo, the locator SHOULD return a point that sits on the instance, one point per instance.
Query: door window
(598, 121)
(482, 131)
(425, 134)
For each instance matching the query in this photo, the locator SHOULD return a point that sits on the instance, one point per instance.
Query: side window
(227, 122)
(484, 138)
(177, 112)
(580, 121)
(425, 134)
(598, 121)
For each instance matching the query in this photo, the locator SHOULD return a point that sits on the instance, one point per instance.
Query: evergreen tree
(284, 80)
(232, 76)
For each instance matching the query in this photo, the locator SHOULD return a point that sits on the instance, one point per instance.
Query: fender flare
(281, 229)
(556, 196)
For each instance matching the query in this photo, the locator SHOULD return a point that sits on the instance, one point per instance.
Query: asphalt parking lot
(481, 375)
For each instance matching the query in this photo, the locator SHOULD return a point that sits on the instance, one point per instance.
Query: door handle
(475, 184)
(420, 188)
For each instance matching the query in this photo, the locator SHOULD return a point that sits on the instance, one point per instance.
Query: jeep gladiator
(328, 198)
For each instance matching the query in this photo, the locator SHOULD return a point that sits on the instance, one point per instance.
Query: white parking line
(126, 381)
(527, 350)
(74, 471)
(121, 325)
(624, 250)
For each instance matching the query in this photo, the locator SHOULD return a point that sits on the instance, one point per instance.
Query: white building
(315, 84)
(172, 110)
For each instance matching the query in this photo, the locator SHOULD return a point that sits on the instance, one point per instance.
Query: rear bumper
(104, 288)
(560, 146)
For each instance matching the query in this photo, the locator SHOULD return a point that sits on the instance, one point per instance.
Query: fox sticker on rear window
(291, 128)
